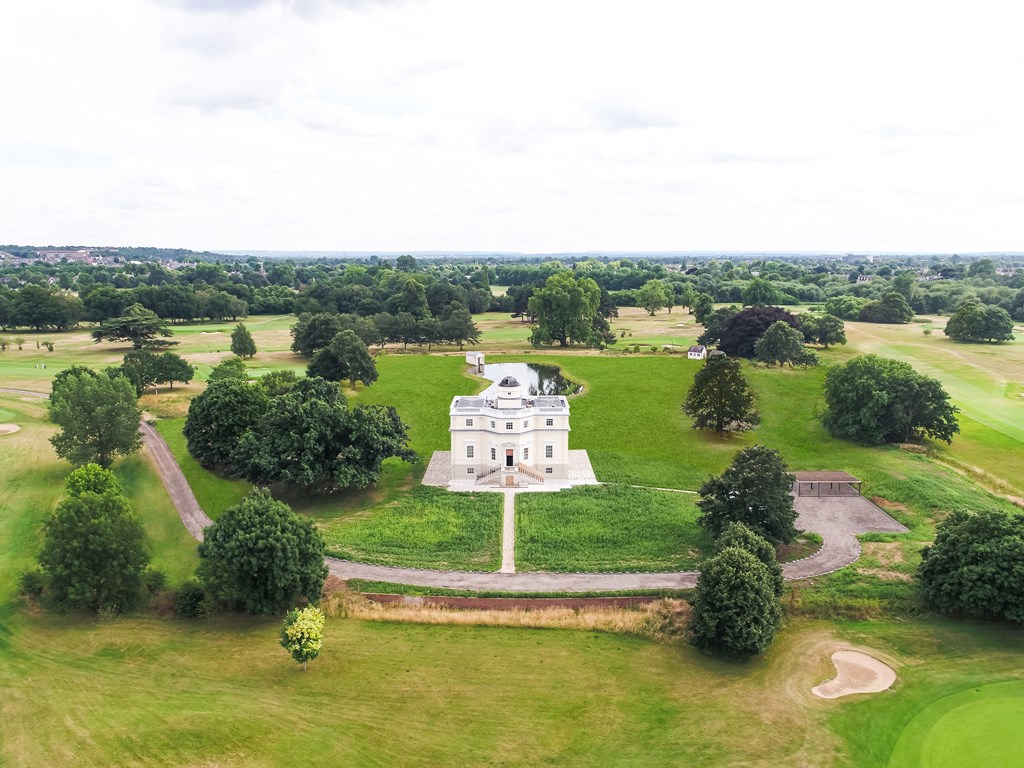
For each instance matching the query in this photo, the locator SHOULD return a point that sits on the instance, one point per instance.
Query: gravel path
(837, 520)
(508, 533)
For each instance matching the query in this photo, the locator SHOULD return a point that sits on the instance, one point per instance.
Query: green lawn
(608, 528)
(424, 528)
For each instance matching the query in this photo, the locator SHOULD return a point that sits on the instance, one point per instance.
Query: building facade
(508, 439)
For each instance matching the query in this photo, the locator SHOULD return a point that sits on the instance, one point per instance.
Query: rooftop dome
(508, 382)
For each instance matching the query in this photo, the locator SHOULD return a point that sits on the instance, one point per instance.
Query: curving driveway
(837, 520)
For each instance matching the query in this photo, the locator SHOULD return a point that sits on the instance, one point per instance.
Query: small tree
(457, 325)
(229, 368)
(19, 342)
(782, 344)
(242, 343)
(98, 417)
(303, 634)
(262, 556)
(171, 368)
(755, 491)
(138, 325)
(976, 566)
(93, 547)
(720, 397)
(736, 610)
(654, 295)
(702, 306)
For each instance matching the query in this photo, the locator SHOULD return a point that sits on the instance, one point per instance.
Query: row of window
(511, 425)
(549, 452)
(547, 470)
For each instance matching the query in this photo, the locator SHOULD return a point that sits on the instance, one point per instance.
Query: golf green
(973, 727)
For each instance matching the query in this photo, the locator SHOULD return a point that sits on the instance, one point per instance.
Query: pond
(536, 379)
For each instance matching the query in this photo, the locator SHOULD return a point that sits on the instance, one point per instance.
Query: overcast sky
(528, 126)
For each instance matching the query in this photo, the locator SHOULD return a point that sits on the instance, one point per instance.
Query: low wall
(510, 603)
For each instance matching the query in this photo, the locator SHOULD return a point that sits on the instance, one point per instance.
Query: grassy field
(608, 528)
(425, 528)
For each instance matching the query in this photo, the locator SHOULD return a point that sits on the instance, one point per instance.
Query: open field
(608, 528)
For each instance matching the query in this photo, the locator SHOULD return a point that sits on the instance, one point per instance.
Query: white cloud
(452, 124)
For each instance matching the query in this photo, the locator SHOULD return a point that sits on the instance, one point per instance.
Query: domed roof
(508, 382)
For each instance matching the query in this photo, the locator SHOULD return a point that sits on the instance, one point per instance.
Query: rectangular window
(509, 425)
(469, 422)
(526, 454)
(470, 470)
(549, 471)
(469, 451)
(492, 424)
(494, 454)
(549, 451)
(526, 424)
(549, 422)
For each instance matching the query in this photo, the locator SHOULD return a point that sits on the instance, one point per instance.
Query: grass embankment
(608, 528)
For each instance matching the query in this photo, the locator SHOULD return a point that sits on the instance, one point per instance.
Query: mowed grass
(425, 528)
(32, 482)
(608, 528)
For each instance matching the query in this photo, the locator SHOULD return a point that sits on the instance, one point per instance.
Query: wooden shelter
(826, 484)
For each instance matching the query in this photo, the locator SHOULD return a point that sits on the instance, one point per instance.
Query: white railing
(490, 475)
(531, 472)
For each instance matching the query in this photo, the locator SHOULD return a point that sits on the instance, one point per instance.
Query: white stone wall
(529, 438)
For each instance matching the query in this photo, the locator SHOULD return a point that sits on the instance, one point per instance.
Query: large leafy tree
(171, 368)
(93, 547)
(874, 400)
(740, 536)
(140, 368)
(219, 417)
(242, 343)
(736, 610)
(974, 321)
(782, 344)
(720, 398)
(309, 437)
(760, 293)
(702, 306)
(747, 326)
(822, 329)
(261, 556)
(891, 308)
(97, 416)
(976, 566)
(139, 325)
(564, 310)
(457, 326)
(755, 491)
(654, 295)
(314, 331)
(346, 357)
(715, 323)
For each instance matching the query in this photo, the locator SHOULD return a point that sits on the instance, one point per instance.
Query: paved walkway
(508, 533)
(837, 520)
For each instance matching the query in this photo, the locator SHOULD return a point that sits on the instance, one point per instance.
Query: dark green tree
(140, 368)
(93, 547)
(974, 321)
(720, 398)
(564, 309)
(736, 610)
(654, 295)
(219, 417)
(171, 368)
(138, 325)
(891, 308)
(976, 566)
(760, 293)
(829, 330)
(97, 416)
(346, 357)
(229, 368)
(740, 536)
(782, 344)
(242, 343)
(875, 400)
(457, 326)
(714, 323)
(313, 332)
(261, 556)
(702, 306)
(278, 382)
(755, 491)
(747, 326)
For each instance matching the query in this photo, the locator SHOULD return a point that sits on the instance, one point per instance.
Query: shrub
(191, 601)
(33, 583)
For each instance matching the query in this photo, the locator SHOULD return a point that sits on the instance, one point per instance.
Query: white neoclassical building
(510, 440)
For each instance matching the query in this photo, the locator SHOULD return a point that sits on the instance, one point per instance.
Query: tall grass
(608, 528)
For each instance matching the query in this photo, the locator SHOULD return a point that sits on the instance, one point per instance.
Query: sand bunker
(8, 429)
(856, 672)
